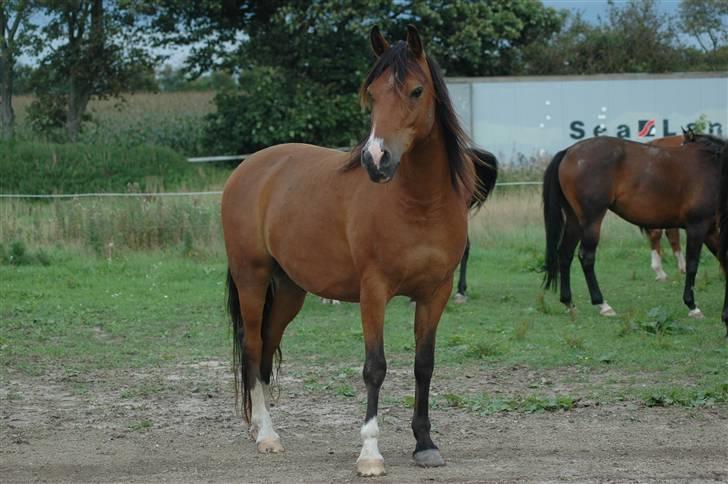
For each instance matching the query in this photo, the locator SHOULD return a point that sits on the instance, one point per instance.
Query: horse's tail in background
(243, 383)
(723, 210)
(486, 174)
(553, 217)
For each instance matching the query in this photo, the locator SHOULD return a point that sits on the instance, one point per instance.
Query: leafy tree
(91, 49)
(634, 37)
(303, 56)
(706, 21)
(16, 34)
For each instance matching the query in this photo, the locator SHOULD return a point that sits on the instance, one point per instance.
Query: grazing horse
(646, 185)
(388, 219)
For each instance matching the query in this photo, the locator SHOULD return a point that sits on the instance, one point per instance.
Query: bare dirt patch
(177, 424)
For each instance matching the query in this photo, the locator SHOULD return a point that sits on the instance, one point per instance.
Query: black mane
(713, 144)
(399, 58)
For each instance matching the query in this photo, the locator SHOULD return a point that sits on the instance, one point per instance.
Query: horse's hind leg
(655, 236)
(286, 301)
(572, 234)
(587, 257)
(673, 235)
(696, 237)
(460, 296)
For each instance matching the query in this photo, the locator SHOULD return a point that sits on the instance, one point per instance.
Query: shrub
(42, 168)
(267, 109)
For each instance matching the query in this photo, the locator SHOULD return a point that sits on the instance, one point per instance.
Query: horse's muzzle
(386, 169)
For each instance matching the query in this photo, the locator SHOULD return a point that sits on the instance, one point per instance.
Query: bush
(267, 109)
(41, 168)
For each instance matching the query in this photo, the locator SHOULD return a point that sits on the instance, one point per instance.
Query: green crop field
(137, 283)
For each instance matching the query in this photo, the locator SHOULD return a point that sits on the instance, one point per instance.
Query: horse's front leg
(427, 316)
(373, 300)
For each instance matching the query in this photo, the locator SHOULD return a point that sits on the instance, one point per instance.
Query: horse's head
(400, 93)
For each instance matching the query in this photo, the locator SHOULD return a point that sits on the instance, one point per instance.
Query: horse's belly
(319, 267)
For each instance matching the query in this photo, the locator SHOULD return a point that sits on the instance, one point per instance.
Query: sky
(592, 9)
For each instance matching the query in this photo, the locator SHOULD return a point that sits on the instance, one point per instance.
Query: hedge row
(45, 168)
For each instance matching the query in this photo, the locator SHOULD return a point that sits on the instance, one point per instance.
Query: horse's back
(647, 184)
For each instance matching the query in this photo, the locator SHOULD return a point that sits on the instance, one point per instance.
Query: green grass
(82, 311)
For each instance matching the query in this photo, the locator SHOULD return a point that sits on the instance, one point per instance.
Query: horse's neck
(424, 173)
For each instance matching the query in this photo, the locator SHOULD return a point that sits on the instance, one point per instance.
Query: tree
(91, 50)
(706, 21)
(16, 33)
(634, 37)
(304, 56)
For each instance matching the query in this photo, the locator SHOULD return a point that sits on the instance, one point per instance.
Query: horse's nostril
(386, 159)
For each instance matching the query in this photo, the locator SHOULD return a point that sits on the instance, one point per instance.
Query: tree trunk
(78, 99)
(7, 114)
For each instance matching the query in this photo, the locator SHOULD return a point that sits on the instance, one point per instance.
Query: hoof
(460, 298)
(429, 458)
(270, 446)
(696, 313)
(370, 467)
(661, 277)
(606, 310)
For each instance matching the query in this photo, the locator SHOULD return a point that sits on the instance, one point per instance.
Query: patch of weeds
(482, 350)
(687, 397)
(520, 330)
(659, 322)
(18, 255)
(409, 401)
(15, 396)
(455, 340)
(140, 426)
(454, 400)
(535, 262)
(345, 391)
(608, 358)
(574, 341)
(485, 405)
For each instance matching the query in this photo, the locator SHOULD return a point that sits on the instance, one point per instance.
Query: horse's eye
(417, 92)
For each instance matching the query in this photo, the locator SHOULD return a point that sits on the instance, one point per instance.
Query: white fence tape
(178, 194)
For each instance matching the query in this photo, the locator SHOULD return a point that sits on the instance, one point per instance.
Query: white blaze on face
(374, 147)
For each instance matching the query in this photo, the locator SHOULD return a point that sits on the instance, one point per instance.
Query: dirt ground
(178, 425)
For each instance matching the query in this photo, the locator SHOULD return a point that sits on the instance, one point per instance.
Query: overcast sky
(592, 9)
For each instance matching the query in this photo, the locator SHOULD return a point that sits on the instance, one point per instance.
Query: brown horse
(672, 235)
(647, 185)
(388, 219)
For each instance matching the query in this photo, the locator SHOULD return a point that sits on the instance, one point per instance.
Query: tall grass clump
(106, 226)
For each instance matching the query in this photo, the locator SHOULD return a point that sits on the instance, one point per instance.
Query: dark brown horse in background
(649, 186)
(388, 219)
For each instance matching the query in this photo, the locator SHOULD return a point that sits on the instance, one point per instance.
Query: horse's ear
(414, 42)
(379, 43)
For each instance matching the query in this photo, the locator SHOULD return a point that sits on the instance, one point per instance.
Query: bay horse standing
(388, 219)
(650, 186)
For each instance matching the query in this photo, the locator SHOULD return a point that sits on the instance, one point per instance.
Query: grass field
(79, 304)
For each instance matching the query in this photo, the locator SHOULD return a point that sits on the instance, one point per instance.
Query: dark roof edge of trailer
(595, 77)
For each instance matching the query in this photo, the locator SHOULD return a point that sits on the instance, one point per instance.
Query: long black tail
(486, 174)
(243, 376)
(553, 217)
(723, 210)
